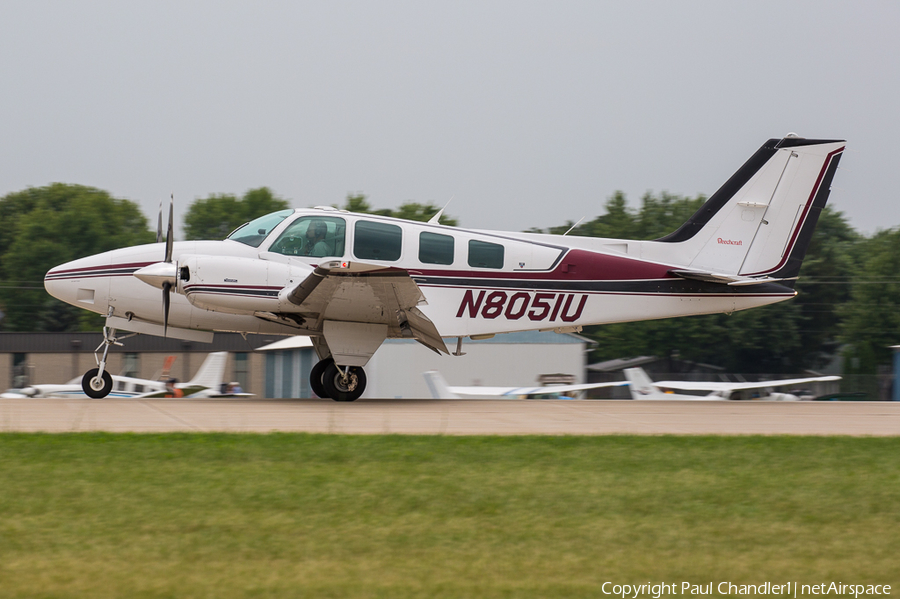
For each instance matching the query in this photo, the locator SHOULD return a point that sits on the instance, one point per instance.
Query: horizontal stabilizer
(724, 279)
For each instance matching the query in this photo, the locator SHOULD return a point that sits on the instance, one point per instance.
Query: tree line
(847, 302)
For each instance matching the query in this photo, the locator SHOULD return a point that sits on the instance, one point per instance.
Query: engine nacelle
(236, 285)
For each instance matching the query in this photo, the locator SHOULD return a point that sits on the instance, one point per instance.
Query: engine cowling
(236, 285)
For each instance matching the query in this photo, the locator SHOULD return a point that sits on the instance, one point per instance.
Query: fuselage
(474, 282)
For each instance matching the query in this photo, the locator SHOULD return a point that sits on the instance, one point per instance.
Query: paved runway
(452, 417)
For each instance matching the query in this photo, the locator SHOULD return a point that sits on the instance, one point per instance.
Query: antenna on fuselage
(436, 219)
(575, 225)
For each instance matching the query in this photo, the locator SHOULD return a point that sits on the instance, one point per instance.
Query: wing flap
(366, 293)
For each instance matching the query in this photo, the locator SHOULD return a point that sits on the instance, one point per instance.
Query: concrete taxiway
(452, 417)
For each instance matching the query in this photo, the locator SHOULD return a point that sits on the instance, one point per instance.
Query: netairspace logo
(789, 589)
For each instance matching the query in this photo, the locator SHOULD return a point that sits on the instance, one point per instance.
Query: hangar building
(282, 369)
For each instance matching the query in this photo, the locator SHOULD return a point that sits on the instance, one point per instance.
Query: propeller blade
(167, 287)
(170, 237)
(159, 224)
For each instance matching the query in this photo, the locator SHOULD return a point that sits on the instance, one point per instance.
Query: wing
(519, 391)
(366, 293)
(716, 386)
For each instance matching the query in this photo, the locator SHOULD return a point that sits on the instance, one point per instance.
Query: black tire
(315, 377)
(91, 384)
(340, 390)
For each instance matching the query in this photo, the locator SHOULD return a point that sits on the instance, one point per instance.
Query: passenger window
(377, 241)
(435, 248)
(313, 236)
(485, 255)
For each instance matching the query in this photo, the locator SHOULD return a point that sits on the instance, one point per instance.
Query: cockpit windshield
(254, 232)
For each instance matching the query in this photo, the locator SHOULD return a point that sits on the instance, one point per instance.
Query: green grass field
(296, 515)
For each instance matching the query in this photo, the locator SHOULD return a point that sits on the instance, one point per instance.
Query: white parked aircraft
(440, 390)
(207, 383)
(350, 281)
(642, 387)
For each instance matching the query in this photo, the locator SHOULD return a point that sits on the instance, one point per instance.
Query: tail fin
(212, 371)
(167, 368)
(641, 386)
(438, 386)
(760, 222)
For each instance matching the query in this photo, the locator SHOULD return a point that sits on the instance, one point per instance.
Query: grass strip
(300, 515)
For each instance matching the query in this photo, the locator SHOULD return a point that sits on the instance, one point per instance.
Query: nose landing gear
(97, 382)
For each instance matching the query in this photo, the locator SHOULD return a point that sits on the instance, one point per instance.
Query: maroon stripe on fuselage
(95, 272)
(575, 265)
(89, 269)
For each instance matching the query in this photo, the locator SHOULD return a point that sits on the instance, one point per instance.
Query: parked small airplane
(206, 383)
(440, 390)
(350, 281)
(642, 387)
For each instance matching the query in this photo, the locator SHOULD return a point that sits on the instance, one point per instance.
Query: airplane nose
(79, 283)
(57, 285)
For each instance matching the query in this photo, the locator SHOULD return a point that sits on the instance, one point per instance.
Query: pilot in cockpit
(315, 239)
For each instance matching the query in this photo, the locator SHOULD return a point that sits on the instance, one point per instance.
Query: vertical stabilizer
(641, 386)
(761, 221)
(438, 386)
(212, 371)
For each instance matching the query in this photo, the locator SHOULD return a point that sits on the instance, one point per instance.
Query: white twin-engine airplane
(350, 281)
(206, 383)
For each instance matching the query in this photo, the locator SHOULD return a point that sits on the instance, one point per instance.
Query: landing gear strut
(346, 383)
(96, 382)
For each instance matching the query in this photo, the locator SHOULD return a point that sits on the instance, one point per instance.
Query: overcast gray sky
(527, 113)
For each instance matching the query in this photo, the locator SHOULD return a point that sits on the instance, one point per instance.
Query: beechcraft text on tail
(350, 281)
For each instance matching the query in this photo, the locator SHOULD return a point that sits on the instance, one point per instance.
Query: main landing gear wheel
(315, 377)
(344, 388)
(96, 387)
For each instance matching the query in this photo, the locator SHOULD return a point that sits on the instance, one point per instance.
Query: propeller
(162, 275)
(170, 239)
(159, 225)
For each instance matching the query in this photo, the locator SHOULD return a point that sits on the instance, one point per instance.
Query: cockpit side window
(254, 232)
(313, 236)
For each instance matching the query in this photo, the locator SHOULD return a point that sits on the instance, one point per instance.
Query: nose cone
(57, 282)
(83, 283)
